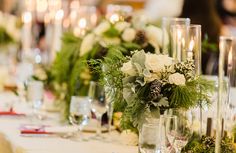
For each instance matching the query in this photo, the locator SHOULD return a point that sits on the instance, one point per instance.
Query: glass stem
(99, 125)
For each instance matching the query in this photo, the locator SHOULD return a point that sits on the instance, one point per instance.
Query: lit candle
(57, 33)
(80, 29)
(26, 31)
(179, 44)
(114, 18)
(190, 50)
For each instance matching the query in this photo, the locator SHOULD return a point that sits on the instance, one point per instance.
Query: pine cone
(128, 19)
(141, 38)
(155, 90)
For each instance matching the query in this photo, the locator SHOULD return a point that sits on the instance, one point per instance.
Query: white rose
(106, 41)
(102, 27)
(87, 44)
(120, 26)
(177, 79)
(154, 36)
(157, 63)
(127, 68)
(149, 77)
(128, 35)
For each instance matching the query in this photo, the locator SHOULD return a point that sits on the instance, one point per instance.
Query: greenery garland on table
(206, 144)
(70, 75)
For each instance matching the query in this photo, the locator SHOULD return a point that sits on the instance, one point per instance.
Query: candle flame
(191, 45)
(114, 18)
(179, 34)
(82, 23)
(27, 17)
(230, 58)
(59, 14)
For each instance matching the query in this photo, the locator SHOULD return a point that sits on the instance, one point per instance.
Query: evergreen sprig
(206, 144)
(5, 38)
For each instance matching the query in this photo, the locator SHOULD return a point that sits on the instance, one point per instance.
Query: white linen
(12, 142)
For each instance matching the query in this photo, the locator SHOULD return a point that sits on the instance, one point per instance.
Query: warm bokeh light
(59, 14)
(82, 23)
(41, 5)
(27, 17)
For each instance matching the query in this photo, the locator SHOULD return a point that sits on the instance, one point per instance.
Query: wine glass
(35, 96)
(79, 112)
(98, 104)
(183, 128)
(168, 130)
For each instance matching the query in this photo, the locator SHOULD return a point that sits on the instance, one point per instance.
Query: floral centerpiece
(147, 84)
(71, 74)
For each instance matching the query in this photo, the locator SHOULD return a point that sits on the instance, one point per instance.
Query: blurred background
(39, 24)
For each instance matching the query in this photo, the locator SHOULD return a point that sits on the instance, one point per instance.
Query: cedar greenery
(139, 105)
(5, 38)
(206, 144)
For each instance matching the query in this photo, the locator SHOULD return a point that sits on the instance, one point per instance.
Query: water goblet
(35, 92)
(183, 128)
(98, 104)
(79, 113)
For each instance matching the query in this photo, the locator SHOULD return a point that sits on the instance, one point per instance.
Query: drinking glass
(35, 92)
(168, 127)
(180, 130)
(167, 22)
(79, 112)
(98, 104)
(149, 137)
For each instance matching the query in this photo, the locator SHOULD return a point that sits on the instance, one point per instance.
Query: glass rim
(227, 38)
(195, 25)
(175, 19)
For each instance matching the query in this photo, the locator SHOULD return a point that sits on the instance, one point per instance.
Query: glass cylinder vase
(167, 22)
(226, 46)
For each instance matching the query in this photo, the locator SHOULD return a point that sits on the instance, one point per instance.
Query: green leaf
(112, 32)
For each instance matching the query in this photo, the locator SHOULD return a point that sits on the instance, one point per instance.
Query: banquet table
(11, 141)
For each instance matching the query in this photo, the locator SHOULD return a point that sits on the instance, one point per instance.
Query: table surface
(12, 142)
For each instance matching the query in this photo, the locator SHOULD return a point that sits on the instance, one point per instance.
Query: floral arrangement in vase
(147, 84)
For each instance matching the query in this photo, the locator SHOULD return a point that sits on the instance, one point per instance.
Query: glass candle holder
(179, 42)
(167, 22)
(225, 60)
(194, 46)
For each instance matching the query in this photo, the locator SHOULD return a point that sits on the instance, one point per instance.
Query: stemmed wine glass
(79, 113)
(168, 128)
(180, 131)
(98, 104)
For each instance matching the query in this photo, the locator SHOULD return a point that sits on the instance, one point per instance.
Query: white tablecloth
(12, 142)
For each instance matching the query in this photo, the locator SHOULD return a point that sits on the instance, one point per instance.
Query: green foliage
(5, 38)
(207, 46)
(112, 32)
(206, 144)
(65, 59)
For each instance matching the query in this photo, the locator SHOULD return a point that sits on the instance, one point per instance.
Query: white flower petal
(87, 44)
(120, 26)
(177, 79)
(128, 35)
(154, 36)
(102, 27)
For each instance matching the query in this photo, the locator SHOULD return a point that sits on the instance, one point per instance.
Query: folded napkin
(11, 113)
(42, 129)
